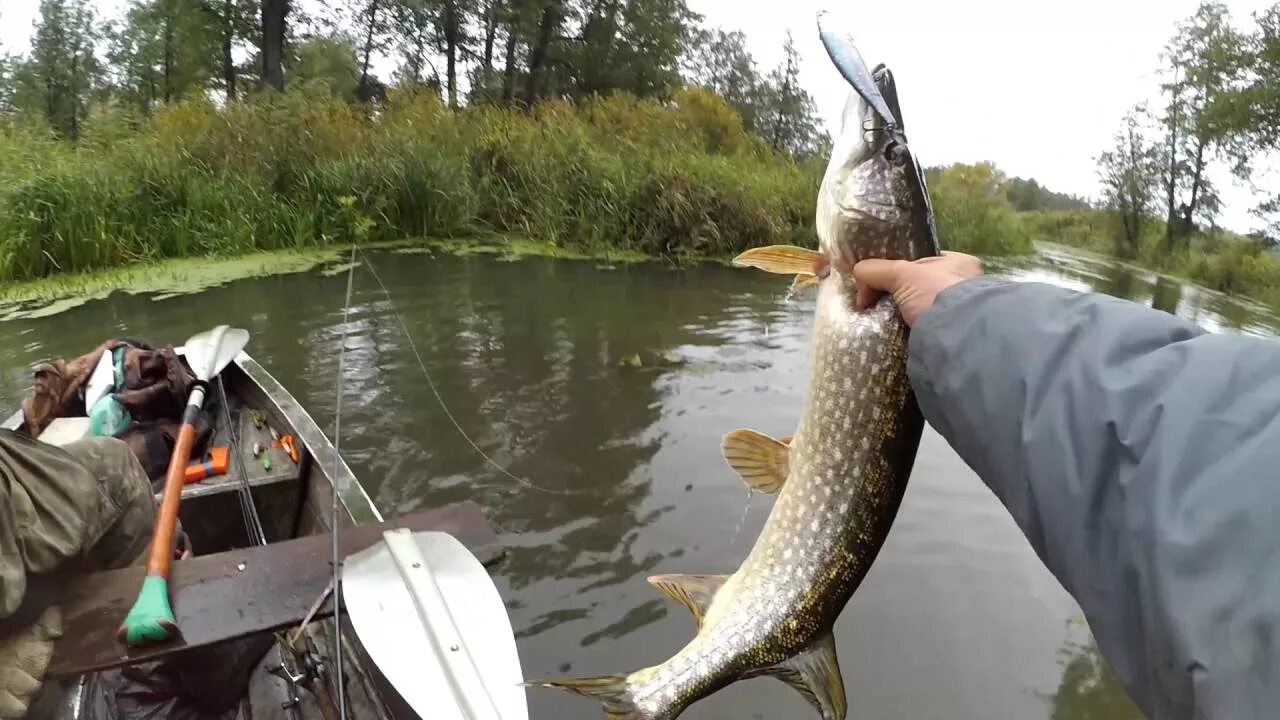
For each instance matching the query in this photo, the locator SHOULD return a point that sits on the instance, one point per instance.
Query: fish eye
(897, 154)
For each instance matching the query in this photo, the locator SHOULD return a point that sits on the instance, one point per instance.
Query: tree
(551, 18)
(8, 68)
(326, 64)
(377, 20)
(722, 63)
(135, 55)
(1251, 111)
(1207, 59)
(453, 40)
(274, 29)
(1029, 195)
(63, 70)
(789, 122)
(654, 35)
(234, 20)
(1129, 175)
(413, 22)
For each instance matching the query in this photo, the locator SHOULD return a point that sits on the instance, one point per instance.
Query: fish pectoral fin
(807, 265)
(762, 462)
(815, 674)
(692, 591)
(804, 280)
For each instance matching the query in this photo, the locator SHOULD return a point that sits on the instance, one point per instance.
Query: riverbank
(1225, 262)
(304, 172)
(677, 180)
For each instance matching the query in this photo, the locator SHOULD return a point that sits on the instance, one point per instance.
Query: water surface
(957, 618)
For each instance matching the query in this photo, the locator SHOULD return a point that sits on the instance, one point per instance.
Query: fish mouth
(873, 182)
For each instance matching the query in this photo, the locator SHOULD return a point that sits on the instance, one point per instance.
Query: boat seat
(238, 592)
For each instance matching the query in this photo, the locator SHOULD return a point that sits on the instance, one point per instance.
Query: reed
(675, 179)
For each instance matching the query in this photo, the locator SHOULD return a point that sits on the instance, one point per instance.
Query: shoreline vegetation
(623, 129)
(680, 179)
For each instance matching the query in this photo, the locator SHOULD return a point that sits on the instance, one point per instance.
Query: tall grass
(301, 170)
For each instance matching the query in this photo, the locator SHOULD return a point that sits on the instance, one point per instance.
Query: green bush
(973, 215)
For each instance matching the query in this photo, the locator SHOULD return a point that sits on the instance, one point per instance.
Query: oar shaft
(167, 517)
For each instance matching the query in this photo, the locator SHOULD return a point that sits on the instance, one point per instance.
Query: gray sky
(1037, 87)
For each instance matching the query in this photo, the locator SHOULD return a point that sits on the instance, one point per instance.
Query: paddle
(430, 617)
(151, 619)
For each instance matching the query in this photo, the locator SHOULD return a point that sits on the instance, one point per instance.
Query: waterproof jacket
(1140, 456)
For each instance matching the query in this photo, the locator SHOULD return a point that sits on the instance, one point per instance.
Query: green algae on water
(166, 279)
(162, 280)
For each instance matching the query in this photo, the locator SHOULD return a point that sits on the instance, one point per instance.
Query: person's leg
(128, 508)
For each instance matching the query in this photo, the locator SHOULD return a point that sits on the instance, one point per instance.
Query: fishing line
(252, 521)
(434, 391)
(339, 679)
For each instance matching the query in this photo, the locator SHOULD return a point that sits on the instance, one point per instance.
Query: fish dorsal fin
(815, 674)
(807, 265)
(692, 591)
(761, 461)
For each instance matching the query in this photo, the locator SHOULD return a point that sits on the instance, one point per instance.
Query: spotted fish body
(841, 478)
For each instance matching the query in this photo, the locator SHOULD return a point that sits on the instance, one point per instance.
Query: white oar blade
(212, 350)
(430, 617)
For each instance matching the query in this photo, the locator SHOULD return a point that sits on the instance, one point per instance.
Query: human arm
(1140, 456)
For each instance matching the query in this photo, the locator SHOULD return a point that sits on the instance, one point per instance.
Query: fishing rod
(339, 679)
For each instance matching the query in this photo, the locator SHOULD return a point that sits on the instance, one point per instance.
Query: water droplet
(742, 520)
(240, 567)
(453, 648)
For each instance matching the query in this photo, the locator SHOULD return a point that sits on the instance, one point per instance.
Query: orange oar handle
(167, 517)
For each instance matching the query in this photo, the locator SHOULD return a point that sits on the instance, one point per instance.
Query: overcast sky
(1037, 87)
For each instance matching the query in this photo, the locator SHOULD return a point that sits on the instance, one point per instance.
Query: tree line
(1219, 106)
(504, 52)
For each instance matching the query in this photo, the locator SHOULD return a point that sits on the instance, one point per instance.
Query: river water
(618, 469)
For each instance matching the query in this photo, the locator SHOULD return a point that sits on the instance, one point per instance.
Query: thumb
(875, 275)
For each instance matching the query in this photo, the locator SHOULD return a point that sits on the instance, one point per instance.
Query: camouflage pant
(126, 506)
(82, 508)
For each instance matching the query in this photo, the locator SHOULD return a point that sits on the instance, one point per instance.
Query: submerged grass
(615, 176)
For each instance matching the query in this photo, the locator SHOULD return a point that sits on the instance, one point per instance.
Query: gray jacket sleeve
(1140, 455)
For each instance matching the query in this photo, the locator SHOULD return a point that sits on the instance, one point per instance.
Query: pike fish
(840, 479)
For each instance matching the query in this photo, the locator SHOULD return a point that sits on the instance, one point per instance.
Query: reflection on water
(957, 619)
(1088, 688)
(1166, 295)
(1085, 271)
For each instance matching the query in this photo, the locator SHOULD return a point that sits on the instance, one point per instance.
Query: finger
(878, 274)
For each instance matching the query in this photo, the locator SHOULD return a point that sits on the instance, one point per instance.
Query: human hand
(913, 284)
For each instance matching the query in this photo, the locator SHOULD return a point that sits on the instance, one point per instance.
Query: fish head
(873, 202)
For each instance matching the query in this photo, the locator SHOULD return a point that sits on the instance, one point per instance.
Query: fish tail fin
(611, 690)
